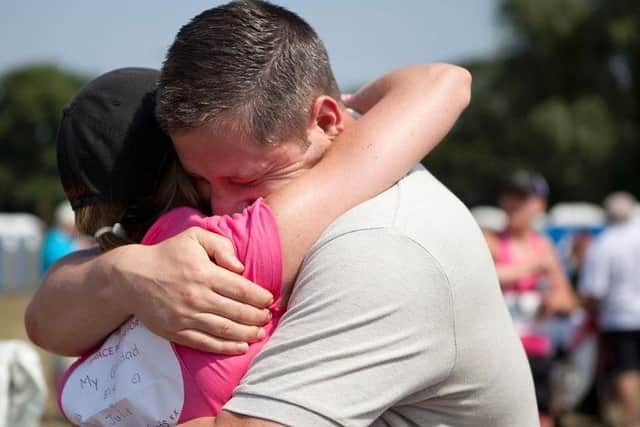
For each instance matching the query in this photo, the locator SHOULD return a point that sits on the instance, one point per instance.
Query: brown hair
(250, 60)
(175, 189)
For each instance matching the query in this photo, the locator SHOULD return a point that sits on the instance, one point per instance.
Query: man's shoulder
(614, 238)
(424, 211)
(375, 267)
(417, 198)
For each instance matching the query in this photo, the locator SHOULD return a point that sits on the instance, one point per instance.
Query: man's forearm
(229, 419)
(76, 306)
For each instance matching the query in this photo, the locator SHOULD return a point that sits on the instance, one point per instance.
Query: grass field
(12, 327)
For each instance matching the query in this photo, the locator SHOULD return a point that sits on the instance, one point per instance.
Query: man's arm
(369, 322)
(172, 287)
(229, 419)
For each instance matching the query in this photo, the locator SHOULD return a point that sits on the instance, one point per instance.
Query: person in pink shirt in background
(531, 276)
(138, 376)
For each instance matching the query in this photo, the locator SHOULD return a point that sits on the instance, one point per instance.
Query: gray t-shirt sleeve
(369, 323)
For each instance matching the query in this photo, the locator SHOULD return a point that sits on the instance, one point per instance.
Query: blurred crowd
(62, 238)
(577, 312)
(28, 247)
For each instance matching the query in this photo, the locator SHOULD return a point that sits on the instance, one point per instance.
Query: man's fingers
(225, 329)
(238, 288)
(223, 276)
(220, 249)
(210, 302)
(201, 341)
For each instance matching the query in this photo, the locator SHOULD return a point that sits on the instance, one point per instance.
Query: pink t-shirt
(522, 291)
(138, 378)
(505, 257)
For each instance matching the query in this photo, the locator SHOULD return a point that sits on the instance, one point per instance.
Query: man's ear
(326, 116)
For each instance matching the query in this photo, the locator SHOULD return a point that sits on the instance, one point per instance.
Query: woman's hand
(539, 265)
(178, 293)
(558, 301)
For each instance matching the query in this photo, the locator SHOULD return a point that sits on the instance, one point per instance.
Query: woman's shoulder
(541, 241)
(172, 223)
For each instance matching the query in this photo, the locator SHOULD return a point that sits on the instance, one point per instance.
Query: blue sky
(364, 38)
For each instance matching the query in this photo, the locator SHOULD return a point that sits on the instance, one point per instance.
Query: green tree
(562, 98)
(31, 103)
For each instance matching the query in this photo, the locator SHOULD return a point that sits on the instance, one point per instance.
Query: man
(396, 316)
(610, 283)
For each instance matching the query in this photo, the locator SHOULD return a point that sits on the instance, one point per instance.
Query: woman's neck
(518, 233)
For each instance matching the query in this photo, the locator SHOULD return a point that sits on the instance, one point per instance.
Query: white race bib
(134, 379)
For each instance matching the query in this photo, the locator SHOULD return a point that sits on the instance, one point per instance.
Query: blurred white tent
(20, 247)
(576, 215)
(489, 217)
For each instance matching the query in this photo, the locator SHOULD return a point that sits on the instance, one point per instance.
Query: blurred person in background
(530, 274)
(580, 243)
(62, 238)
(610, 286)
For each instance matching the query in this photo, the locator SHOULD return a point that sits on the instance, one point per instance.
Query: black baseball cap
(528, 182)
(110, 146)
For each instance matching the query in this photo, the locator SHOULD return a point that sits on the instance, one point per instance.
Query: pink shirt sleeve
(253, 232)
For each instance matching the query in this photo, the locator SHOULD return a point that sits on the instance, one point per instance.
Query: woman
(531, 276)
(187, 384)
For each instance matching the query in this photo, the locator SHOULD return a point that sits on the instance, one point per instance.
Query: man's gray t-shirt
(396, 319)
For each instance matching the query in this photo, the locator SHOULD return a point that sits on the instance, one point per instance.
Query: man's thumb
(220, 250)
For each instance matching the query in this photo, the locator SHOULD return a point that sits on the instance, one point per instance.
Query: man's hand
(179, 294)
